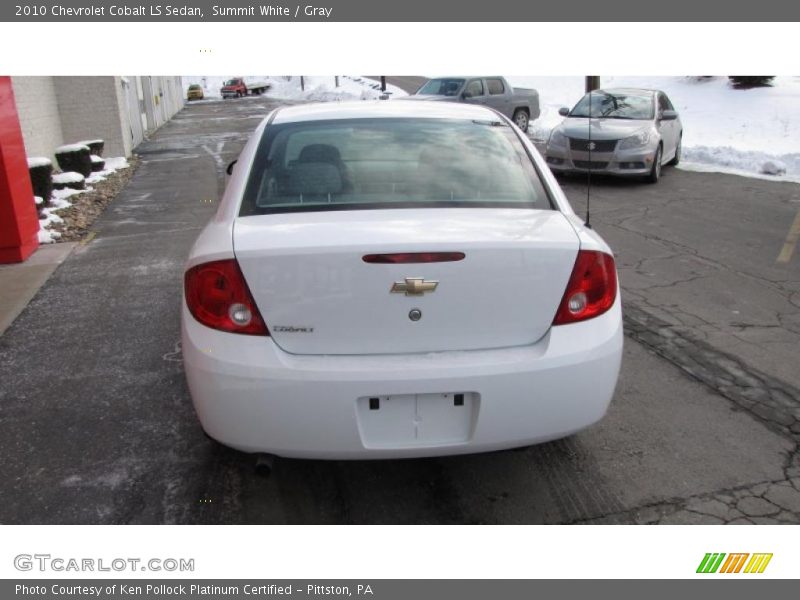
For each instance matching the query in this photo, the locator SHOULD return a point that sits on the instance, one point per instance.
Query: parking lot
(96, 424)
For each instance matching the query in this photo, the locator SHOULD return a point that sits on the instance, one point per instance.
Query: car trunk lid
(317, 294)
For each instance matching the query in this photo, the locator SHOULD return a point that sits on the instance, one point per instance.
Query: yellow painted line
(88, 238)
(791, 241)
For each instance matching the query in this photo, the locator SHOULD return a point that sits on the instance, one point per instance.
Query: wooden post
(592, 83)
(302, 84)
(383, 83)
(337, 80)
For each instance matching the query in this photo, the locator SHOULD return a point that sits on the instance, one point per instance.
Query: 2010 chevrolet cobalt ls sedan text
(397, 279)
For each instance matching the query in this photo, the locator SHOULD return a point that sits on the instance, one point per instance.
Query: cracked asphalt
(96, 425)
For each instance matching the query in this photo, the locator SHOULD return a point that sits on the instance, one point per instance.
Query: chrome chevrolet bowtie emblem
(591, 146)
(413, 286)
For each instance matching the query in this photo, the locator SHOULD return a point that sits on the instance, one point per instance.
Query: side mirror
(563, 111)
(466, 95)
(229, 170)
(669, 115)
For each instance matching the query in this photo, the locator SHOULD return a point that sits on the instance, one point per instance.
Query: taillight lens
(218, 297)
(591, 290)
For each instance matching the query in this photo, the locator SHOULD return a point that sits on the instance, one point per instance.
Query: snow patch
(68, 177)
(48, 237)
(112, 164)
(61, 195)
(115, 163)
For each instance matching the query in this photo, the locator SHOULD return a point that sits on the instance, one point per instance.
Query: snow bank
(750, 132)
(317, 88)
(323, 89)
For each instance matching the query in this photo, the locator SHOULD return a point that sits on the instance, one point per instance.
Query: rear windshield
(391, 163)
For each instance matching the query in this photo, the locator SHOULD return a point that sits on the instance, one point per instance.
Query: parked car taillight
(218, 297)
(591, 290)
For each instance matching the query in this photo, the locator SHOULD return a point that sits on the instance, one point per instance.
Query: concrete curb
(20, 282)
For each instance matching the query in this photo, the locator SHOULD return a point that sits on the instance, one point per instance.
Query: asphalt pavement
(96, 424)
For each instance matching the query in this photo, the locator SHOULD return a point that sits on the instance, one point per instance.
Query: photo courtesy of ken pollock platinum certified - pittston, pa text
(194, 589)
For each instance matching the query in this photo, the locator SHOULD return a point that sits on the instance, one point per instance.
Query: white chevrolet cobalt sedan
(397, 279)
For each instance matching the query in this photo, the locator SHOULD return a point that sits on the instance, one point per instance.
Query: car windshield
(194, 87)
(441, 87)
(391, 163)
(614, 106)
(232, 82)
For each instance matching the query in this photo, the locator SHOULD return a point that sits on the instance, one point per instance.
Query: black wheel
(521, 119)
(677, 158)
(655, 172)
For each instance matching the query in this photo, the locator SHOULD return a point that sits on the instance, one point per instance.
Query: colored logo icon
(719, 562)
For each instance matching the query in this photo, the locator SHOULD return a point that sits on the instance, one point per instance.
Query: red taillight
(218, 297)
(407, 258)
(591, 290)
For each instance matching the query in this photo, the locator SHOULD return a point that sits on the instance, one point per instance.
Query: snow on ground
(68, 177)
(46, 236)
(748, 132)
(317, 88)
(59, 199)
(115, 163)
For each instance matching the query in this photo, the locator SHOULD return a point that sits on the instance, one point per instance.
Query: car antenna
(588, 222)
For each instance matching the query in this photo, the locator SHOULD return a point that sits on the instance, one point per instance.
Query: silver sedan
(629, 132)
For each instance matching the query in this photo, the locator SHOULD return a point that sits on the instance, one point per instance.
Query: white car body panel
(251, 395)
(308, 398)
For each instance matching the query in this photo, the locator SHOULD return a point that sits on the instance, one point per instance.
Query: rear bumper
(252, 396)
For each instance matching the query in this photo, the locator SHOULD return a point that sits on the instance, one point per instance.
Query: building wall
(90, 109)
(163, 97)
(39, 117)
(119, 110)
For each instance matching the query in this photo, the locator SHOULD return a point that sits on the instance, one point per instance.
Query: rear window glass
(495, 86)
(391, 163)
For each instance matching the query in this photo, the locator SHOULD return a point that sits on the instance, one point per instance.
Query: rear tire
(655, 172)
(677, 158)
(522, 119)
